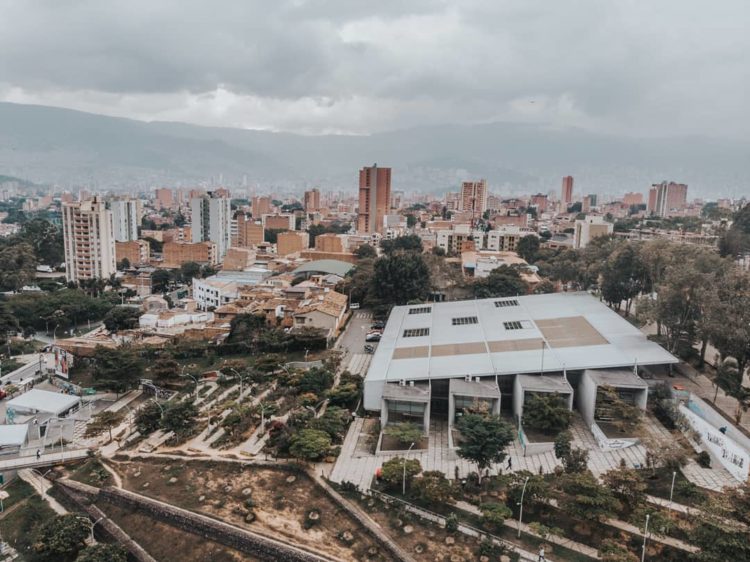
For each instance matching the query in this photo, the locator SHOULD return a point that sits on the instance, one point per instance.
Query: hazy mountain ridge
(66, 147)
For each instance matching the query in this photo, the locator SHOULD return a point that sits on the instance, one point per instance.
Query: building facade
(211, 218)
(89, 240)
(312, 201)
(589, 228)
(474, 198)
(667, 198)
(125, 219)
(374, 198)
(566, 192)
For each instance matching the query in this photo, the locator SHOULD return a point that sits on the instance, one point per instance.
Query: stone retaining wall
(201, 525)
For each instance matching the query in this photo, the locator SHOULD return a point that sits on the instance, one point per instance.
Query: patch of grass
(92, 472)
(20, 524)
(659, 484)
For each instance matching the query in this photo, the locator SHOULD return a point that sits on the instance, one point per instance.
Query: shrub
(405, 432)
(494, 515)
(392, 471)
(703, 459)
(433, 487)
(546, 412)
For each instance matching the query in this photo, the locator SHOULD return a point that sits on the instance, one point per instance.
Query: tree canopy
(483, 439)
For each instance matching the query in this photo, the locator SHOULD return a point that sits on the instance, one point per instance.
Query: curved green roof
(337, 267)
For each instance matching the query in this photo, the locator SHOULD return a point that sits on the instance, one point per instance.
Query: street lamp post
(42, 490)
(403, 492)
(520, 511)
(161, 408)
(645, 535)
(671, 490)
(195, 379)
(242, 380)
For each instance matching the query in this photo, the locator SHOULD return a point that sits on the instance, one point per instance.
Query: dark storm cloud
(344, 65)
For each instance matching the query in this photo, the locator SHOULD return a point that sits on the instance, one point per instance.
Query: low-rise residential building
(589, 228)
(291, 242)
(137, 252)
(324, 311)
(223, 288)
(177, 253)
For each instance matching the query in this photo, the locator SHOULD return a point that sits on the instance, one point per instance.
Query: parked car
(377, 326)
(369, 348)
(373, 336)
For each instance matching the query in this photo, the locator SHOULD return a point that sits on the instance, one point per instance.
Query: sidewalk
(42, 486)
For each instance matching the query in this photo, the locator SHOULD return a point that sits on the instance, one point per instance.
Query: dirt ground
(167, 543)
(280, 502)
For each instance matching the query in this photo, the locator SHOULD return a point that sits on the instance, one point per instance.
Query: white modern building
(223, 288)
(211, 220)
(89, 240)
(589, 228)
(125, 219)
(488, 343)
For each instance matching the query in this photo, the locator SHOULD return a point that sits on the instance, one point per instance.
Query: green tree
(483, 439)
(17, 267)
(405, 432)
(165, 368)
(411, 221)
(611, 551)
(310, 444)
(585, 498)
(122, 318)
(400, 278)
(315, 379)
(179, 417)
(547, 412)
(433, 487)
(334, 422)
(627, 486)
(623, 277)
(103, 553)
(46, 240)
(161, 279)
(503, 281)
(494, 515)
(365, 251)
(538, 490)
(105, 420)
(189, 270)
(118, 369)
(410, 243)
(392, 471)
(61, 539)
(576, 461)
(528, 247)
(148, 418)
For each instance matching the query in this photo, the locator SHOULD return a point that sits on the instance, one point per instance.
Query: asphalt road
(353, 340)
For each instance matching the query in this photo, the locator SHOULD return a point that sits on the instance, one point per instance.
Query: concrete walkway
(46, 459)
(42, 486)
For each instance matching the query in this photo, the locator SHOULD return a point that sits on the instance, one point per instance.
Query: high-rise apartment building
(260, 206)
(566, 193)
(211, 219)
(89, 240)
(249, 231)
(312, 201)
(473, 197)
(164, 198)
(374, 198)
(540, 202)
(125, 219)
(667, 198)
(632, 198)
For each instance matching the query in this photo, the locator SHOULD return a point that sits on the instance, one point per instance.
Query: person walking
(541, 555)
(38, 454)
(510, 464)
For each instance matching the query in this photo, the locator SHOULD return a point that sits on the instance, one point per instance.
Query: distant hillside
(60, 146)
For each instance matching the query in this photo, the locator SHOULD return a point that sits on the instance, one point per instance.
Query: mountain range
(70, 148)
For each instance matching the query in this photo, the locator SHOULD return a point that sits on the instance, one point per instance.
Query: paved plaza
(357, 463)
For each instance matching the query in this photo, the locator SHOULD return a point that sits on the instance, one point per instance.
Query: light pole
(671, 490)
(42, 490)
(520, 511)
(403, 492)
(91, 524)
(195, 380)
(161, 408)
(239, 376)
(645, 534)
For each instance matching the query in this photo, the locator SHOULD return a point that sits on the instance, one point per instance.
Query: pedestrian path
(359, 363)
(41, 485)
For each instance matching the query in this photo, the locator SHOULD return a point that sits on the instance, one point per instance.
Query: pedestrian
(541, 470)
(38, 454)
(541, 555)
(510, 464)
(455, 471)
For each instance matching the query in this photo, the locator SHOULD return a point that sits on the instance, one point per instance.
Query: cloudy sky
(627, 67)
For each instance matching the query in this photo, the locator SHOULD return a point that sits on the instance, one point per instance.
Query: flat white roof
(13, 434)
(481, 338)
(43, 401)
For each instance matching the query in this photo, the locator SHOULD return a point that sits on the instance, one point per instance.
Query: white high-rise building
(89, 240)
(125, 219)
(211, 220)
